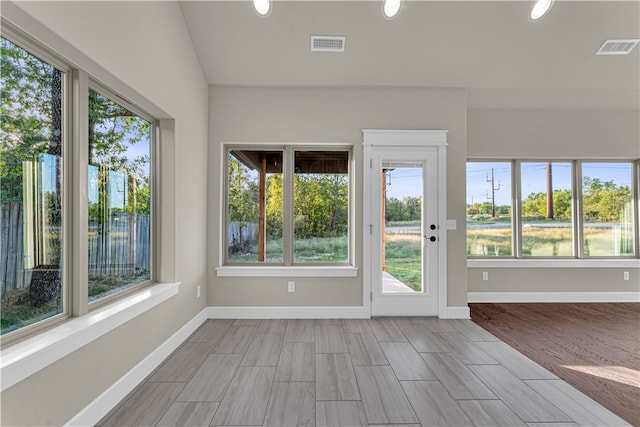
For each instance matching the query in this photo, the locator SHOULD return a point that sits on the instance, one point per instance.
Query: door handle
(431, 238)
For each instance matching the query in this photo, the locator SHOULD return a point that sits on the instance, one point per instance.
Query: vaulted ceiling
(488, 47)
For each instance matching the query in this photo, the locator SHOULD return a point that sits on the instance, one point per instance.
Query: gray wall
(149, 50)
(553, 133)
(304, 115)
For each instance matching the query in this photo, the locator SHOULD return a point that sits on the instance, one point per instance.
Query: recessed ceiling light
(391, 8)
(617, 47)
(262, 7)
(539, 9)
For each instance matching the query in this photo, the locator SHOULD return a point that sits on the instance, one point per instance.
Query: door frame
(391, 139)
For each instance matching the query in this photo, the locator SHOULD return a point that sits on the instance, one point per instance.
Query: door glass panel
(402, 243)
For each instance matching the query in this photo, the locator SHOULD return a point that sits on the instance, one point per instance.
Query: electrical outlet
(198, 291)
(485, 275)
(292, 286)
(626, 275)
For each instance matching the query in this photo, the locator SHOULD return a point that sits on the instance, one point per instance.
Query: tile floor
(332, 372)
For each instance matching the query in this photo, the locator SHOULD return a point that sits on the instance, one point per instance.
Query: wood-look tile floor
(330, 372)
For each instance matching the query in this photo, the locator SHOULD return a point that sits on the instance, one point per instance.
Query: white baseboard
(333, 312)
(458, 313)
(554, 297)
(97, 409)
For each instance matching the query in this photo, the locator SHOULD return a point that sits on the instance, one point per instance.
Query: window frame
(578, 259)
(74, 275)
(288, 266)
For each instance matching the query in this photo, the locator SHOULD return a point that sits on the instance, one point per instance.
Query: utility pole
(494, 188)
(549, 192)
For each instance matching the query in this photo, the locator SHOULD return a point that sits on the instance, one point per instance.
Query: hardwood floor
(331, 372)
(593, 347)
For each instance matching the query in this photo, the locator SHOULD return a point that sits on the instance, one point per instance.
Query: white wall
(147, 46)
(303, 115)
(549, 134)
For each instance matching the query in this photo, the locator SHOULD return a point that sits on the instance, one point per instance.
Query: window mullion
(288, 220)
(516, 223)
(636, 207)
(79, 186)
(577, 206)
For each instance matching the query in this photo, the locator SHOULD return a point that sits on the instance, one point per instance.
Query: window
(547, 209)
(287, 206)
(39, 283)
(565, 209)
(32, 183)
(607, 213)
(119, 197)
(489, 210)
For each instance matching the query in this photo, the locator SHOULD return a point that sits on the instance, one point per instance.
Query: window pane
(31, 189)
(607, 195)
(119, 197)
(489, 209)
(546, 209)
(321, 206)
(254, 214)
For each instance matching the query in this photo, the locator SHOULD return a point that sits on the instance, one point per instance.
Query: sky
(533, 178)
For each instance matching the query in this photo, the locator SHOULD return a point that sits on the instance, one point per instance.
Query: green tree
(604, 200)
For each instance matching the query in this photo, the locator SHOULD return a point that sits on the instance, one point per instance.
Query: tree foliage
(407, 209)
(604, 200)
(535, 205)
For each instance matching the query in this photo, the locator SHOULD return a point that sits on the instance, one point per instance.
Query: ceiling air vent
(617, 47)
(327, 43)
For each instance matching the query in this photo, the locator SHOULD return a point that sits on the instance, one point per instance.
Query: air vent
(327, 43)
(617, 47)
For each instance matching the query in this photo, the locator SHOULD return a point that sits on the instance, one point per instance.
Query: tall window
(570, 209)
(119, 199)
(287, 206)
(607, 212)
(32, 188)
(38, 282)
(489, 210)
(546, 203)
(254, 208)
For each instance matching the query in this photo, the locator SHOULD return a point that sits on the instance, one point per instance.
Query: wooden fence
(121, 247)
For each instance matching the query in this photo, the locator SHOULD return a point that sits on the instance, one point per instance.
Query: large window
(32, 185)
(489, 210)
(119, 197)
(570, 209)
(287, 206)
(40, 205)
(547, 209)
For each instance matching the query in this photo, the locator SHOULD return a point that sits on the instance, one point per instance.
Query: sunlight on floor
(619, 374)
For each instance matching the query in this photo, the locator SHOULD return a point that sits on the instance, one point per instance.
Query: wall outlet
(485, 275)
(198, 291)
(291, 287)
(626, 275)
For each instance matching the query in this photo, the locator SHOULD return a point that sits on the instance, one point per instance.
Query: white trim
(27, 357)
(284, 271)
(553, 263)
(554, 296)
(405, 138)
(458, 313)
(97, 409)
(297, 312)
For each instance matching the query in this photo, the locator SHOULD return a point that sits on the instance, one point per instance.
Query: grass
(403, 257)
(18, 312)
(312, 250)
(548, 242)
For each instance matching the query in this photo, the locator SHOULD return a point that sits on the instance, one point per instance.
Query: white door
(404, 231)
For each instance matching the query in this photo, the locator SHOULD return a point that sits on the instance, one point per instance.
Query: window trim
(578, 259)
(288, 265)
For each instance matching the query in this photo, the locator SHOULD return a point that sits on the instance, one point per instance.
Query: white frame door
(426, 150)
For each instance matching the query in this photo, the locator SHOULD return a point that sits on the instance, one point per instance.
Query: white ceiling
(490, 48)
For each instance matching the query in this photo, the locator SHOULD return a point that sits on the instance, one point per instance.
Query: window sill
(27, 357)
(554, 263)
(280, 271)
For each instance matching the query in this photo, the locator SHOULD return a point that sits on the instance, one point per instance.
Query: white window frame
(288, 268)
(578, 259)
(23, 348)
